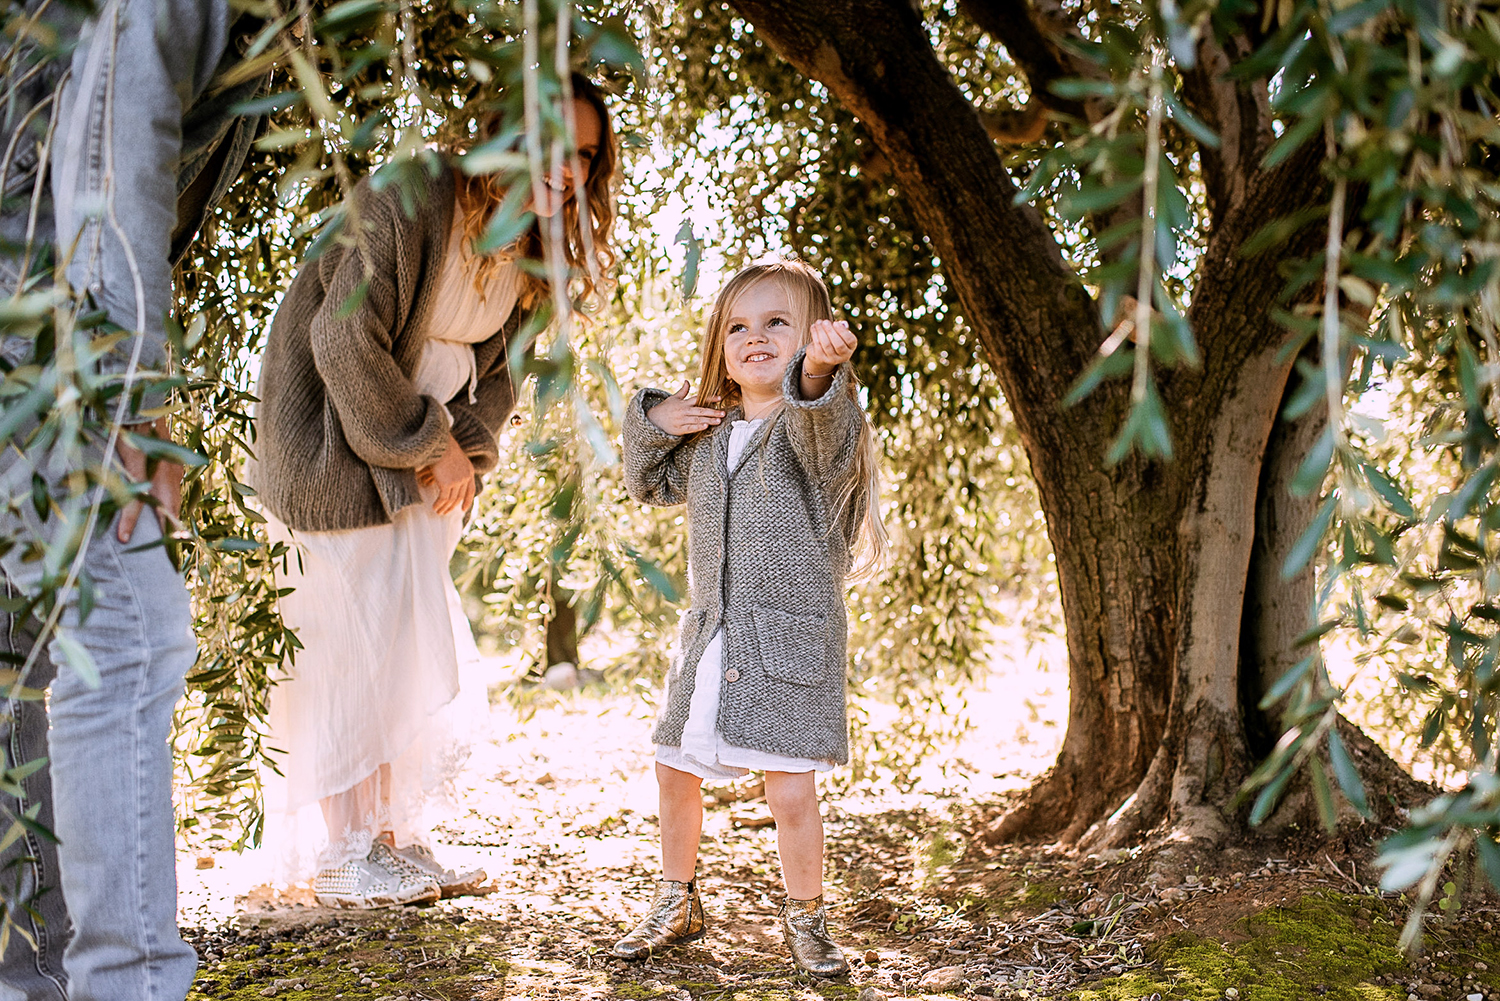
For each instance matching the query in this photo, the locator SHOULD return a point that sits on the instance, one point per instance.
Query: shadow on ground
(559, 808)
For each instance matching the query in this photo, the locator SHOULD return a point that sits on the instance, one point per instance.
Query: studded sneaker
(451, 883)
(361, 884)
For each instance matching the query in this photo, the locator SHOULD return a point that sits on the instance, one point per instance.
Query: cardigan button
(732, 675)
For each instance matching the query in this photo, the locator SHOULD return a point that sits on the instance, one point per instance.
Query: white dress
(366, 723)
(704, 751)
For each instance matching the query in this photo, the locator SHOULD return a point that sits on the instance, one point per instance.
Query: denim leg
(137, 65)
(29, 867)
(112, 776)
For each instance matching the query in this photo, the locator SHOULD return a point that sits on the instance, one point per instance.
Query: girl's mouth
(759, 356)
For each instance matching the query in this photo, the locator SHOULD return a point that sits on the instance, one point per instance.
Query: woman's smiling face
(761, 335)
(556, 190)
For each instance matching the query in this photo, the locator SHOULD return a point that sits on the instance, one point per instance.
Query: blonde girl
(780, 486)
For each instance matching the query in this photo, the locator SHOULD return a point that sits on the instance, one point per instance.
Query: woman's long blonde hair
(858, 497)
(479, 195)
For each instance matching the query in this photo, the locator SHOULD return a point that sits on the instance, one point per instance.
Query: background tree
(1282, 157)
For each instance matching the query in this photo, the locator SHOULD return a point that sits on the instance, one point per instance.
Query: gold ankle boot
(676, 915)
(805, 925)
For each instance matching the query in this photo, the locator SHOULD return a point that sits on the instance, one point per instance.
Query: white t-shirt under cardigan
(704, 752)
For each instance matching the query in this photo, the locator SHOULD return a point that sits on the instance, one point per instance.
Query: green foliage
(1398, 95)
(557, 524)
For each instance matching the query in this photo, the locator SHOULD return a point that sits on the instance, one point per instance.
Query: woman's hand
(166, 482)
(680, 414)
(453, 475)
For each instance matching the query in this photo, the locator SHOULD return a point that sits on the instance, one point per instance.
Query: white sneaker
(377, 880)
(452, 884)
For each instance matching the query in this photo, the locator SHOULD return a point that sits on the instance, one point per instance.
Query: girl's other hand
(832, 344)
(680, 414)
(453, 475)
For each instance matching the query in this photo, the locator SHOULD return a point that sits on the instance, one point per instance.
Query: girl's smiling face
(761, 335)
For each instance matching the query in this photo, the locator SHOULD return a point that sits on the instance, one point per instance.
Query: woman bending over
(385, 384)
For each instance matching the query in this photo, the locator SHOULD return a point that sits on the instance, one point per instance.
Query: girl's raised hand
(832, 344)
(680, 414)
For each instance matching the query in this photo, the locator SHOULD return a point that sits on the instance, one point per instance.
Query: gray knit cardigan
(340, 429)
(767, 558)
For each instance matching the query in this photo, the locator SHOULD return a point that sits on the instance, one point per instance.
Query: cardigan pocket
(792, 648)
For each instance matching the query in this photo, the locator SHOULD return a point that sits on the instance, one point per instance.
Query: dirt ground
(559, 807)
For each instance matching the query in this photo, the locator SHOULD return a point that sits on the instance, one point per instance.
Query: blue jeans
(113, 871)
(106, 894)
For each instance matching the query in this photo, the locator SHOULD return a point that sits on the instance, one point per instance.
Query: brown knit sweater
(340, 430)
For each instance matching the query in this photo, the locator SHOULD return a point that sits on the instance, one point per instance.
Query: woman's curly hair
(479, 195)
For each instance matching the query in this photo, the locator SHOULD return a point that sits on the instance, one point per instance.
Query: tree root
(1159, 816)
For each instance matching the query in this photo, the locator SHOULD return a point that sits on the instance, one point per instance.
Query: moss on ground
(1038, 895)
(1326, 946)
(383, 955)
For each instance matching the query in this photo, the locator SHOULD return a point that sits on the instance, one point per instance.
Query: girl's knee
(792, 796)
(677, 780)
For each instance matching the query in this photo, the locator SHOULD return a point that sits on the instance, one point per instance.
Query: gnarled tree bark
(1159, 564)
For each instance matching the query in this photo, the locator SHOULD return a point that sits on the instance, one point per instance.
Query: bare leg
(383, 808)
(681, 821)
(676, 913)
(361, 811)
(793, 798)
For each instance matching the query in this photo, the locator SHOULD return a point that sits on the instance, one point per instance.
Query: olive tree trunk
(1177, 618)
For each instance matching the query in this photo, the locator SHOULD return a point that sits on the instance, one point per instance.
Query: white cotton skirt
(704, 751)
(371, 694)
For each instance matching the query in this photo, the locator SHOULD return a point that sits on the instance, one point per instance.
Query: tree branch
(1238, 112)
(1037, 323)
(1030, 32)
(1028, 36)
(1235, 292)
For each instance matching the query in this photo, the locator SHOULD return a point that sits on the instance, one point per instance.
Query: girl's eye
(735, 328)
(778, 321)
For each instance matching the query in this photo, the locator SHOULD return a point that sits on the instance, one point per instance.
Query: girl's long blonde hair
(858, 497)
(479, 195)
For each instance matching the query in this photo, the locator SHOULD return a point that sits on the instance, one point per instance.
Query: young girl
(776, 500)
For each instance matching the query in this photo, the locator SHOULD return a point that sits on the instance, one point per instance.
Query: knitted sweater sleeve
(384, 420)
(656, 463)
(824, 432)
